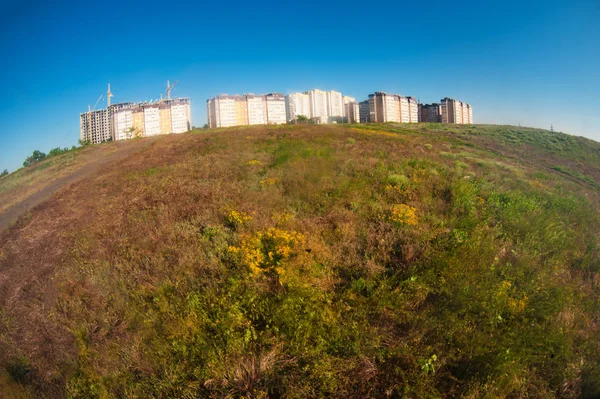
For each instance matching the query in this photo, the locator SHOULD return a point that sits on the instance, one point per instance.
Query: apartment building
(413, 110)
(364, 111)
(335, 104)
(318, 103)
(221, 111)
(456, 111)
(347, 100)
(257, 109)
(384, 107)
(297, 104)
(275, 105)
(353, 112)
(430, 113)
(248, 109)
(181, 115)
(96, 126)
(126, 120)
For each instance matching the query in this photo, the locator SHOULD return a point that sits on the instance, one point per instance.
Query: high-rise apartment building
(353, 112)
(221, 111)
(456, 111)
(335, 104)
(276, 113)
(413, 110)
(257, 109)
(297, 104)
(126, 120)
(364, 111)
(430, 113)
(347, 100)
(150, 119)
(249, 109)
(94, 126)
(318, 103)
(386, 107)
(181, 115)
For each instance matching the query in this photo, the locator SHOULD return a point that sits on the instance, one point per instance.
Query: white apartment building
(275, 104)
(353, 112)
(181, 120)
(318, 103)
(257, 109)
(413, 110)
(404, 110)
(347, 100)
(335, 105)
(297, 104)
(123, 122)
(221, 111)
(151, 121)
(248, 109)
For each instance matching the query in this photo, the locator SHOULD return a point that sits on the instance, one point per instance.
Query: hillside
(307, 261)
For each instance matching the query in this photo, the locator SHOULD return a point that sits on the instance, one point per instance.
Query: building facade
(363, 108)
(297, 104)
(318, 103)
(276, 113)
(248, 109)
(96, 126)
(386, 107)
(430, 113)
(413, 110)
(352, 112)
(456, 111)
(335, 104)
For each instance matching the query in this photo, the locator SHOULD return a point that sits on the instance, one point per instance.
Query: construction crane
(108, 96)
(97, 101)
(169, 88)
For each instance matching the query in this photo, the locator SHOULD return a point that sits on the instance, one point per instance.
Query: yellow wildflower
(267, 251)
(237, 219)
(268, 181)
(404, 215)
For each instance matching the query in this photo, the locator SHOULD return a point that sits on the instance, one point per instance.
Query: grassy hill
(311, 261)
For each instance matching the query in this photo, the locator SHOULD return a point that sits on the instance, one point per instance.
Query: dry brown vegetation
(309, 261)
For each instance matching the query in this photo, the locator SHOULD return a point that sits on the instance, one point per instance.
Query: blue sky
(535, 63)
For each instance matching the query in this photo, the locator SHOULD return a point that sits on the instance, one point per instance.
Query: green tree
(4, 173)
(303, 119)
(206, 126)
(34, 158)
(57, 151)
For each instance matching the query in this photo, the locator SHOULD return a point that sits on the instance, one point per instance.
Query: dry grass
(419, 266)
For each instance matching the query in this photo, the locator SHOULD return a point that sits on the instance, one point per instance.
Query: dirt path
(95, 164)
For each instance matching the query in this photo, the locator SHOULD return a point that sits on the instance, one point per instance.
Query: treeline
(38, 156)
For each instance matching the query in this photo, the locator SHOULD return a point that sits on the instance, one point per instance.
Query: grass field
(312, 261)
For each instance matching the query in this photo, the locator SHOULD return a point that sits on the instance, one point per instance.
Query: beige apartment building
(456, 112)
(352, 112)
(386, 107)
(248, 109)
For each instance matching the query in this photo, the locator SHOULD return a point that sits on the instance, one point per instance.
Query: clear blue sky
(531, 62)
